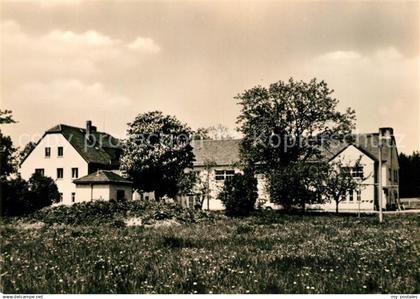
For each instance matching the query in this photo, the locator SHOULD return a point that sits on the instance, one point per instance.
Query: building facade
(103, 185)
(217, 160)
(66, 153)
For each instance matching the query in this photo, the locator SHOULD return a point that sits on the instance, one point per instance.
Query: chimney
(386, 134)
(88, 127)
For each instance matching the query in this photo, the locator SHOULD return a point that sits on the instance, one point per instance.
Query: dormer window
(60, 151)
(47, 152)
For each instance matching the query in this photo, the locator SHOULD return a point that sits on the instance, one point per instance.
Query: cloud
(379, 85)
(89, 38)
(50, 3)
(66, 54)
(145, 44)
(72, 94)
(340, 55)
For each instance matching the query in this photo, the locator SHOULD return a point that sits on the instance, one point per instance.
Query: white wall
(349, 157)
(214, 186)
(101, 192)
(92, 193)
(70, 159)
(128, 190)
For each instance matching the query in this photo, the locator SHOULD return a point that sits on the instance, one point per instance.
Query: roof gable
(220, 152)
(102, 148)
(102, 177)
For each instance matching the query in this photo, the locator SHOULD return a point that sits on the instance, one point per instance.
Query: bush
(22, 197)
(239, 194)
(14, 199)
(112, 212)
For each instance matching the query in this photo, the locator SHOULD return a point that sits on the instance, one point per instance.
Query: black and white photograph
(234, 147)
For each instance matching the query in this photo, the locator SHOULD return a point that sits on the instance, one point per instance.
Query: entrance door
(120, 195)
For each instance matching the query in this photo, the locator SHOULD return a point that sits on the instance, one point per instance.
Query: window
(395, 175)
(356, 172)
(222, 175)
(73, 197)
(359, 195)
(75, 173)
(39, 171)
(60, 173)
(351, 195)
(47, 152)
(60, 151)
(61, 197)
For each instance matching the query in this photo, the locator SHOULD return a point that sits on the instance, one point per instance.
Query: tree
(295, 185)
(203, 182)
(219, 132)
(7, 156)
(239, 194)
(284, 126)
(43, 191)
(23, 197)
(26, 150)
(6, 117)
(338, 181)
(7, 150)
(409, 174)
(15, 200)
(201, 134)
(156, 153)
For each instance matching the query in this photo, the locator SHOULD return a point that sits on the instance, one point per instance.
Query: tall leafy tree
(285, 124)
(409, 174)
(7, 150)
(156, 153)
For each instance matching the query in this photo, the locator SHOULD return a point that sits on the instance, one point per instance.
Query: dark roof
(366, 143)
(220, 152)
(102, 177)
(101, 149)
(226, 152)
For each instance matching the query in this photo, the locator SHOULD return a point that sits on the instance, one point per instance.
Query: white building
(65, 153)
(217, 160)
(103, 185)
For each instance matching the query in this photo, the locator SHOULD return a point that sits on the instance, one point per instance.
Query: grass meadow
(264, 253)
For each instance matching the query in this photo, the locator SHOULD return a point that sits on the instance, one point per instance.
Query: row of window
(60, 172)
(73, 197)
(358, 195)
(60, 152)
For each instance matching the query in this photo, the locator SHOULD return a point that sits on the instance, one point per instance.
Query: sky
(68, 61)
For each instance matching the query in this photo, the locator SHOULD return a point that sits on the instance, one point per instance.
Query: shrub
(14, 199)
(22, 197)
(239, 194)
(43, 191)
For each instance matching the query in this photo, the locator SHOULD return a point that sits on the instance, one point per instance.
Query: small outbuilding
(103, 185)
